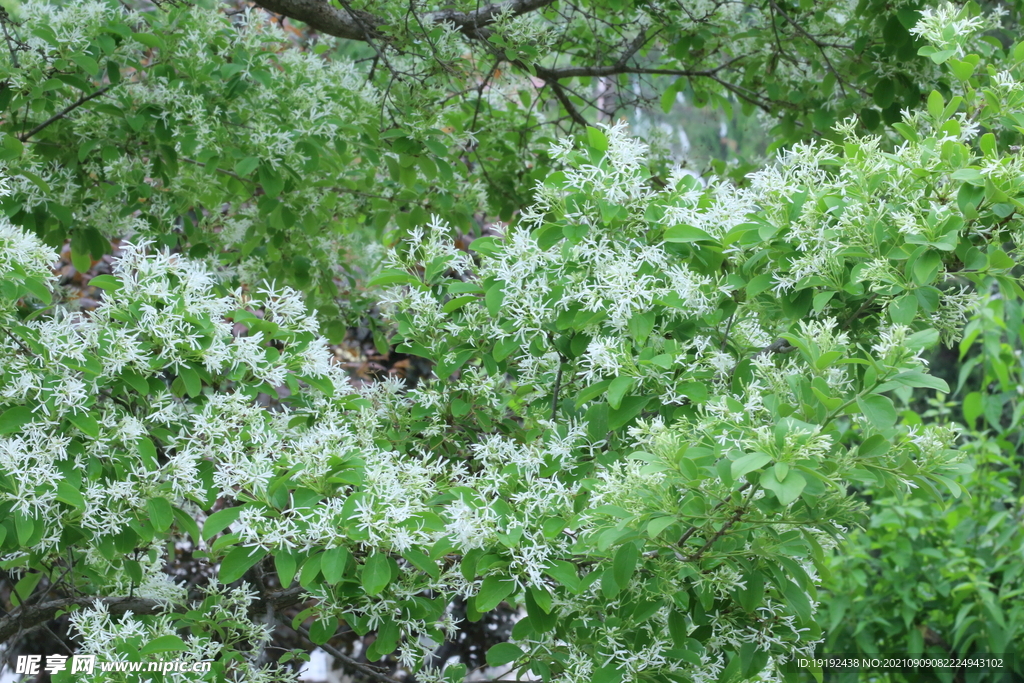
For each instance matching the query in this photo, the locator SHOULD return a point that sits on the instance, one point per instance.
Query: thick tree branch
(471, 23)
(33, 615)
(360, 25)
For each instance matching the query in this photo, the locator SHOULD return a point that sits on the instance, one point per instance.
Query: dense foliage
(659, 405)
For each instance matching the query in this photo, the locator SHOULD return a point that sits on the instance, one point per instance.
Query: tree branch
(364, 26)
(34, 615)
(805, 34)
(67, 110)
(346, 660)
(570, 108)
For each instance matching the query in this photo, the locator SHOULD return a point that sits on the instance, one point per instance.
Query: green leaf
(14, 419)
(885, 93)
(488, 246)
(310, 571)
(376, 573)
(69, 494)
(987, 143)
(917, 379)
(935, 104)
(953, 487)
(168, 643)
(591, 392)
(759, 284)
(107, 282)
(285, 563)
(193, 384)
(23, 589)
(630, 408)
(323, 629)
(457, 303)
(597, 139)
(391, 276)
(879, 410)
(564, 573)
(786, 491)
(973, 405)
(161, 513)
(86, 423)
(998, 259)
(246, 166)
(140, 385)
(748, 463)
(686, 233)
(332, 564)
(86, 63)
(149, 40)
(874, 446)
(937, 56)
(493, 590)
(609, 673)
(903, 310)
(505, 653)
(187, 524)
(25, 527)
(219, 521)
(618, 389)
(641, 325)
(624, 563)
(962, 70)
(39, 289)
(271, 180)
(503, 348)
(494, 297)
(237, 562)
(422, 562)
(797, 599)
(969, 175)
(659, 524)
(907, 131)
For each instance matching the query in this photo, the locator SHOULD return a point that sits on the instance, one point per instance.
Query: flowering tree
(649, 399)
(258, 147)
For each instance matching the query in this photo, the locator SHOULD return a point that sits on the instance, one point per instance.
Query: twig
(67, 110)
(863, 306)
(554, 395)
(806, 35)
(556, 88)
(693, 529)
(18, 342)
(728, 327)
(358, 666)
(717, 535)
(4, 17)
